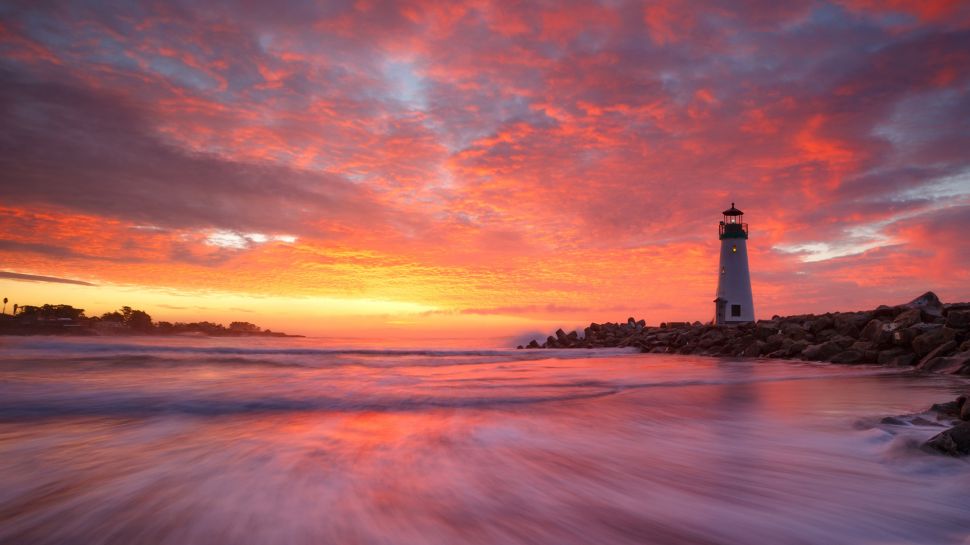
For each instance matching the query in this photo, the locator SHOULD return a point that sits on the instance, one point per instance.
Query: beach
(180, 441)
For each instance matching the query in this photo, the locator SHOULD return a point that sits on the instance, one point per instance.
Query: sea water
(294, 441)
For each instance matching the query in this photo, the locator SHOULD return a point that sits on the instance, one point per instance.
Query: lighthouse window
(735, 310)
(722, 270)
(734, 248)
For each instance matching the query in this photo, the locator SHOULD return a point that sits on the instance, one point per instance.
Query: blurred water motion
(269, 442)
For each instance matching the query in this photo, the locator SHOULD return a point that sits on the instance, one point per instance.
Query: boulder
(908, 318)
(958, 319)
(845, 326)
(765, 329)
(533, 344)
(843, 341)
(924, 343)
(796, 348)
(941, 350)
(878, 332)
(821, 323)
(821, 352)
(903, 338)
(849, 356)
(754, 349)
(957, 364)
(949, 408)
(928, 303)
(794, 332)
(953, 442)
(902, 360)
(885, 356)
(884, 312)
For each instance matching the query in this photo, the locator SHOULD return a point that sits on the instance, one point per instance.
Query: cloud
(486, 156)
(39, 278)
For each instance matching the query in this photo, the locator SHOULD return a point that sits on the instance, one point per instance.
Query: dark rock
(532, 344)
(869, 332)
(885, 356)
(903, 360)
(845, 325)
(843, 341)
(928, 303)
(925, 343)
(765, 329)
(849, 356)
(908, 318)
(941, 350)
(958, 319)
(821, 352)
(519, 347)
(892, 421)
(884, 312)
(754, 349)
(904, 337)
(794, 332)
(953, 442)
(965, 412)
(821, 323)
(551, 342)
(956, 364)
(950, 408)
(920, 421)
(560, 335)
(796, 348)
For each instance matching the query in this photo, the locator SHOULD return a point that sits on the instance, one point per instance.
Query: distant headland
(924, 333)
(66, 320)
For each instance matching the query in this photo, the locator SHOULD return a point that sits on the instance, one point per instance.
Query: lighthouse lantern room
(734, 303)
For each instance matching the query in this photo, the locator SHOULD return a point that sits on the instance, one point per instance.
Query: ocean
(128, 440)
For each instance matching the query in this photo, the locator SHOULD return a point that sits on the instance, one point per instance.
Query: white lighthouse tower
(734, 304)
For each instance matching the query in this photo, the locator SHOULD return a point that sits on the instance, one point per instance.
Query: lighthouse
(734, 304)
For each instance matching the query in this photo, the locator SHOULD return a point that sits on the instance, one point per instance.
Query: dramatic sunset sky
(480, 168)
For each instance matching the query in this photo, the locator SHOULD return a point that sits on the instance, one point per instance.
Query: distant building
(734, 303)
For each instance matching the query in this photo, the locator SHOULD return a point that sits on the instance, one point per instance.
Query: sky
(436, 169)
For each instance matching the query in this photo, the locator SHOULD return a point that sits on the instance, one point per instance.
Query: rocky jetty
(924, 333)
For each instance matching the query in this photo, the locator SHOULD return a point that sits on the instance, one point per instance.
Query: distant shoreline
(66, 320)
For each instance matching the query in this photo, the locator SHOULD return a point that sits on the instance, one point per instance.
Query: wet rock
(903, 360)
(849, 356)
(892, 421)
(754, 349)
(957, 364)
(796, 348)
(958, 319)
(941, 350)
(924, 343)
(885, 356)
(952, 442)
(949, 408)
(821, 352)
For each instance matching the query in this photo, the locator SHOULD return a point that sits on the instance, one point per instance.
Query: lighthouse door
(720, 305)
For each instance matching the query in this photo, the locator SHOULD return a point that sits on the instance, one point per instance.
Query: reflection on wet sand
(467, 449)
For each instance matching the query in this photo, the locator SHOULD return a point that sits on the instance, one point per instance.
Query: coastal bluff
(924, 333)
